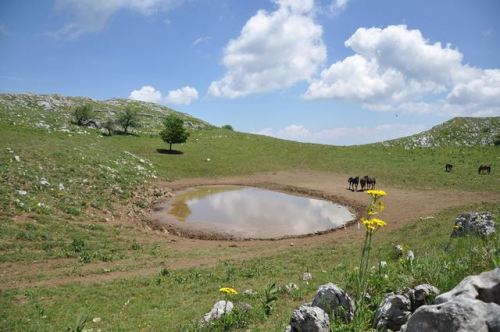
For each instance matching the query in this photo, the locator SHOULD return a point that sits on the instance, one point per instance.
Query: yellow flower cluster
(228, 291)
(376, 193)
(373, 223)
(374, 208)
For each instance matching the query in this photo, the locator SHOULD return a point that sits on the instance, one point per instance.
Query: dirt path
(403, 206)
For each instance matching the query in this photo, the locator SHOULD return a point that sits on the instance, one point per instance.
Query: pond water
(255, 213)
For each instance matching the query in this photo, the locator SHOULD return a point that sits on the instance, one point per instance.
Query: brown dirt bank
(403, 205)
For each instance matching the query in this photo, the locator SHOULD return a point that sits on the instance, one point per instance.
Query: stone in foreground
(392, 313)
(458, 315)
(333, 299)
(484, 287)
(474, 223)
(473, 305)
(421, 295)
(219, 309)
(309, 319)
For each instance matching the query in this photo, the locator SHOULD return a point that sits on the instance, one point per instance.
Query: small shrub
(164, 272)
(78, 245)
(136, 246)
(79, 325)
(228, 127)
(128, 119)
(82, 114)
(270, 297)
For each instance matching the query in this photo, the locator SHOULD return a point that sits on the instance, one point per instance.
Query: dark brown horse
(367, 182)
(484, 169)
(353, 183)
(448, 168)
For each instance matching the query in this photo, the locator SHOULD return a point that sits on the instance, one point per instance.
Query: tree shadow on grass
(165, 151)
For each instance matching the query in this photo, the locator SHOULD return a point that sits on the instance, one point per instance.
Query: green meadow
(63, 195)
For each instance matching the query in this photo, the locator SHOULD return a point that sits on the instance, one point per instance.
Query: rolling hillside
(54, 112)
(455, 132)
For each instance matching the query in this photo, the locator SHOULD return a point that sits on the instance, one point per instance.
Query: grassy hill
(72, 199)
(458, 132)
(54, 112)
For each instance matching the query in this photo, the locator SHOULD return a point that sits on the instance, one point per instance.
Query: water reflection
(257, 213)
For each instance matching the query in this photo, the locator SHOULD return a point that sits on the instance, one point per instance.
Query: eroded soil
(403, 205)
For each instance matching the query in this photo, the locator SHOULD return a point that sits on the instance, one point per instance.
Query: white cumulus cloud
(344, 135)
(395, 68)
(274, 50)
(146, 93)
(182, 96)
(92, 15)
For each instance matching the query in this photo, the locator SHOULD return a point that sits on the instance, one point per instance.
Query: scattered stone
(392, 313)
(44, 182)
(421, 295)
(291, 287)
(292, 244)
(382, 265)
(96, 320)
(17, 159)
(474, 223)
(334, 299)
(21, 192)
(219, 309)
(306, 276)
(484, 287)
(243, 306)
(410, 256)
(208, 159)
(473, 305)
(399, 250)
(61, 187)
(461, 315)
(309, 318)
(249, 292)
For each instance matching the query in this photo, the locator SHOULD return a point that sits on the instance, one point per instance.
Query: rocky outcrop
(473, 305)
(219, 309)
(458, 315)
(396, 309)
(334, 300)
(392, 313)
(421, 295)
(484, 287)
(474, 223)
(309, 319)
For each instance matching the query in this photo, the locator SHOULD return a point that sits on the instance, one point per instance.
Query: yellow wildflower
(378, 222)
(376, 193)
(228, 291)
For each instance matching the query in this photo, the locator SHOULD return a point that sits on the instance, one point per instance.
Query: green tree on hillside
(173, 131)
(228, 127)
(128, 119)
(109, 125)
(82, 114)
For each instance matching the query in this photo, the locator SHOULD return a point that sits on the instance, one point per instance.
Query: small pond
(249, 212)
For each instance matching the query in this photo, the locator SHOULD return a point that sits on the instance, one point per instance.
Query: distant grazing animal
(362, 182)
(484, 169)
(353, 183)
(448, 168)
(370, 182)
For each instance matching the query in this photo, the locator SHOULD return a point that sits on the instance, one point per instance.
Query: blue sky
(330, 71)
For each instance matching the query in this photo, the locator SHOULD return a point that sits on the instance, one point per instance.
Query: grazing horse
(362, 182)
(484, 169)
(371, 183)
(353, 183)
(448, 168)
